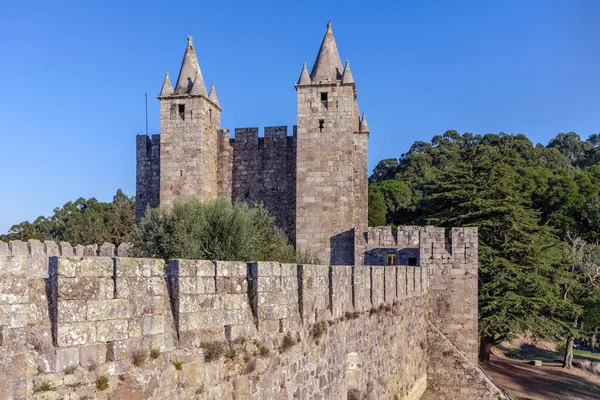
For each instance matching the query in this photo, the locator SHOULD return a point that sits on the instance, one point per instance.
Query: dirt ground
(550, 382)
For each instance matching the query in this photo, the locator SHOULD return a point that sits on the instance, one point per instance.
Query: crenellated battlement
(422, 244)
(273, 137)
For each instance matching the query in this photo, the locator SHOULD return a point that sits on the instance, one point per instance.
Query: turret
(189, 125)
(331, 183)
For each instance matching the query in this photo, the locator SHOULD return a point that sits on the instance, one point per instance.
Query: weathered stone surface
(116, 329)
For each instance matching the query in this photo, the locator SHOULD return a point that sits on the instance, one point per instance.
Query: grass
(318, 330)
(45, 386)
(178, 365)
(138, 358)
(102, 383)
(154, 354)
(212, 350)
(287, 343)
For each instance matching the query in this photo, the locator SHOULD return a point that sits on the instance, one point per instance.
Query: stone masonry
(108, 327)
(314, 181)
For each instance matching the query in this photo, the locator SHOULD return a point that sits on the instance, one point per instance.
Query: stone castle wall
(152, 329)
(250, 169)
(289, 330)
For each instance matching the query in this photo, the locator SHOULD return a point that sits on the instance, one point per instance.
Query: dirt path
(550, 382)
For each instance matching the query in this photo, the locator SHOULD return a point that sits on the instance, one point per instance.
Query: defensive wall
(98, 325)
(250, 169)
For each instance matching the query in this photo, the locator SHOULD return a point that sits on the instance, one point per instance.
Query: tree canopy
(525, 199)
(211, 230)
(84, 221)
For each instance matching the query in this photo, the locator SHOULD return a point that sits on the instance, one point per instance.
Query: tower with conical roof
(331, 176)
(189, 134)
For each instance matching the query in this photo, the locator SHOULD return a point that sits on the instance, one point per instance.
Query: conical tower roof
(198, 88)
(363, 124)
(327, 67)
(347, 75)
(167, 88)
(304, 78)
(212, 95)
(190, 71)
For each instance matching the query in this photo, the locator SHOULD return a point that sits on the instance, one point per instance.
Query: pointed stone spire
(190, 71)
(198, 88)
(347, 75)
(304, 78)
(363, 124)
(327, 67)
(212, 95)
(167, 88)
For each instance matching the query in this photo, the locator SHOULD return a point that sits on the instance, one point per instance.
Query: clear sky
(74, 76)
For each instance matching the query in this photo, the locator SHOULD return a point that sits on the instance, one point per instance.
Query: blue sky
(74, 76)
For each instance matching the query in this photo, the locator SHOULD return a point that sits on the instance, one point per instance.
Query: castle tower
(331, 180)
(189, 133)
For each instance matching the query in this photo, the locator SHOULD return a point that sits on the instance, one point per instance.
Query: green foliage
(102, 383)
(524, 198)
(211, 230)
(85, 221)
(377, 208)
(178, 365)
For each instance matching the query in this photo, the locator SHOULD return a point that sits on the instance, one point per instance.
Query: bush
(102, 383)
(212, 350)
(211, 230)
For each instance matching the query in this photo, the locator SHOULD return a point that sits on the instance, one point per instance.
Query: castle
(387, 316)
(314, 181)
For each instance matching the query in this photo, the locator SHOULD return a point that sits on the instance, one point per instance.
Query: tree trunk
(568, 361)
(485, 349)
(594, 341)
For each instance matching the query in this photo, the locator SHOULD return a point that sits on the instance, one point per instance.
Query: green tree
(377, 209)
(518, 288)
(211, 230)
(84, 221)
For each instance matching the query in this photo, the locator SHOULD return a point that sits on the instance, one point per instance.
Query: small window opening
(412, 261)
(210, 116)
(321, 125)
(391, 259)
(180, 172)
(324, 99)
(182, 111)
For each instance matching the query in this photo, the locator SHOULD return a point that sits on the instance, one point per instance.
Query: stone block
(13, 265)
(96, 266)
(71, 310)
(109, 309)
(116, 329)
(149, 305)
(139, 267)
(19, 316)
(66, 357)
(75, 333)
(83, 288)
(231, 268)
(117, 350)
(153, 324)
(13, 289)
(93, 354)
(106, 250)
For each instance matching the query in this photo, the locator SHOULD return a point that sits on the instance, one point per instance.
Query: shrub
(45, 386)
(212, 350)
(70, 370)
(138, 358)
(102, 383)
(318, 329)
(211, 230)
(287, 343)
(154, 354)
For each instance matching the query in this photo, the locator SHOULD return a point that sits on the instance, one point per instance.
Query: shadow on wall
(342, 248)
